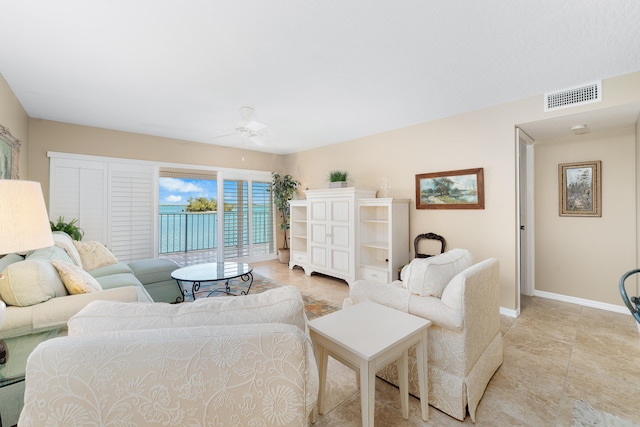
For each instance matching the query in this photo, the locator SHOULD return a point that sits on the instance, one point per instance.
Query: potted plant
(283, 187)
(338, 179)
(70, 228)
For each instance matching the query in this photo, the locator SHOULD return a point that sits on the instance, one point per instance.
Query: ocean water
(181, 231)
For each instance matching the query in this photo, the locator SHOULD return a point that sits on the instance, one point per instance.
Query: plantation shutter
(236, 220)
(248, 220)
(114, 202)
(77, 190)
(262, 214)
(132, 211)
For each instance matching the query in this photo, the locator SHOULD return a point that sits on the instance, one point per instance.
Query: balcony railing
(184, 232)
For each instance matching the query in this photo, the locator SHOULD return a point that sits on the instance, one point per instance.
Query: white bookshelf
(298, 234)
(383, 238)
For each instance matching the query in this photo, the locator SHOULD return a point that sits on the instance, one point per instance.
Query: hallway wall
(584, 257)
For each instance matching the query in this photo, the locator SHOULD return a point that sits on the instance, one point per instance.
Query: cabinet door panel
(318, 234)
(340, 261)
(318, 256)
(340, 210)
(318, 210)
(340, 236)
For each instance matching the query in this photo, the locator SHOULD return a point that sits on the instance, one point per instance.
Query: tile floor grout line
(564, 394)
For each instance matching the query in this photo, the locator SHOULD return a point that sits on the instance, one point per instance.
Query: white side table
(367, 337)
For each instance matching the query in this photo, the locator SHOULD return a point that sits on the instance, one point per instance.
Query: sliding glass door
(248, 227)
(228, 214)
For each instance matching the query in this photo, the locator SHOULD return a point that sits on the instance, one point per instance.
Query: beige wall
(480, 139)
(484, 138)
(14, 117)
(47, 136)
(584, 257)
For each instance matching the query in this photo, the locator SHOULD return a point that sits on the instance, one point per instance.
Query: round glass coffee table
(200, 274)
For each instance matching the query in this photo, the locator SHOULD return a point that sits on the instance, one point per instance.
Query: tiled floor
(554, 354)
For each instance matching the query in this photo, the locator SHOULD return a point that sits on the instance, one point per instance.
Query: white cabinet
(383, 238)
(332, 231)
(298, 233)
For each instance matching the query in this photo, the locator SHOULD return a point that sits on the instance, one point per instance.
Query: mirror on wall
(9, 155)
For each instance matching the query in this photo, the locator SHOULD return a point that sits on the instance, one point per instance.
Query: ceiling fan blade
(229, 133)
(258, 141)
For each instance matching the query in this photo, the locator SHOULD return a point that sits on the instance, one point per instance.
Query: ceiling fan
(255, 131)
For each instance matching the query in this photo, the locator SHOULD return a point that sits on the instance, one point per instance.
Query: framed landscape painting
(459, 189)
(580, 189)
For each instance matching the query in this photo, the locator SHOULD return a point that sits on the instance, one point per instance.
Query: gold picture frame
(580, 188)
(458, 189)
(9, 155)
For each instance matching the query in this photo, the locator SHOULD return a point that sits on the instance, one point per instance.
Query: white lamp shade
(24, 223)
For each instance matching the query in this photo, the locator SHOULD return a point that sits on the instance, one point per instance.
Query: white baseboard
(509, 312)
(584, 302)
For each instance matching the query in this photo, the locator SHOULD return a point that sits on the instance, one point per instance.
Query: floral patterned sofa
(465, 342)
(216, 361)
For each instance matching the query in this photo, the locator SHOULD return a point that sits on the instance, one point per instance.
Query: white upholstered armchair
(216, 361)
(465, 342)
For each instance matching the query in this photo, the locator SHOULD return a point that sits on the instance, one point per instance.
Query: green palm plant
(70, 228)
(283, 188)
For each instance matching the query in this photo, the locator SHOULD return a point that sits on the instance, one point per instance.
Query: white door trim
(526, 209)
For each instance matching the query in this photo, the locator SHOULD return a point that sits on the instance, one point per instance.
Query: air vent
(573, 97)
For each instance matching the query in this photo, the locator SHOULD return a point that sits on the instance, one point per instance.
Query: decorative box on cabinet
(298, 234)
(332, 231)
(383, 238)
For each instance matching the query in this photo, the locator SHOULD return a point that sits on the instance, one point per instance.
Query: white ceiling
(317, 72)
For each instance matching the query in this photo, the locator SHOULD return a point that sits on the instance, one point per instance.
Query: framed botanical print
(580, 188)
(459, 189)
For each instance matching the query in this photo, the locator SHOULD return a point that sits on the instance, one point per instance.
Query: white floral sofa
(465, 342)
(217, 361)
(46, 287)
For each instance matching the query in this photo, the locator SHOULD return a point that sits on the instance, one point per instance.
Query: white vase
(338, 184)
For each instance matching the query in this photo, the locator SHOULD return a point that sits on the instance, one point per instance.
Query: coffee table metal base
(199, 274)
(226, 289)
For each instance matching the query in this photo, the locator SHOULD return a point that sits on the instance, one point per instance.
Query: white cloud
(173, 198)
(175, 184)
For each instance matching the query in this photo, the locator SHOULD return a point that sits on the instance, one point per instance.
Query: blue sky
(176, 191)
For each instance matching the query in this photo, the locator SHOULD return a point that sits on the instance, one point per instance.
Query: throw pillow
(75, 279)
(429, 276)
(49, 253)
(30, 282)
(94, 255)
(64, 241)
(7, 260)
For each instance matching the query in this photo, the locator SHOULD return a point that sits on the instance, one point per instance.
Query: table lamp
(24, 223)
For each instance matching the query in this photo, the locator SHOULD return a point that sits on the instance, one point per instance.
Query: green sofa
(38, 300)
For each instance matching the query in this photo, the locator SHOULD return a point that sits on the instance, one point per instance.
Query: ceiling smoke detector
(579, 129)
